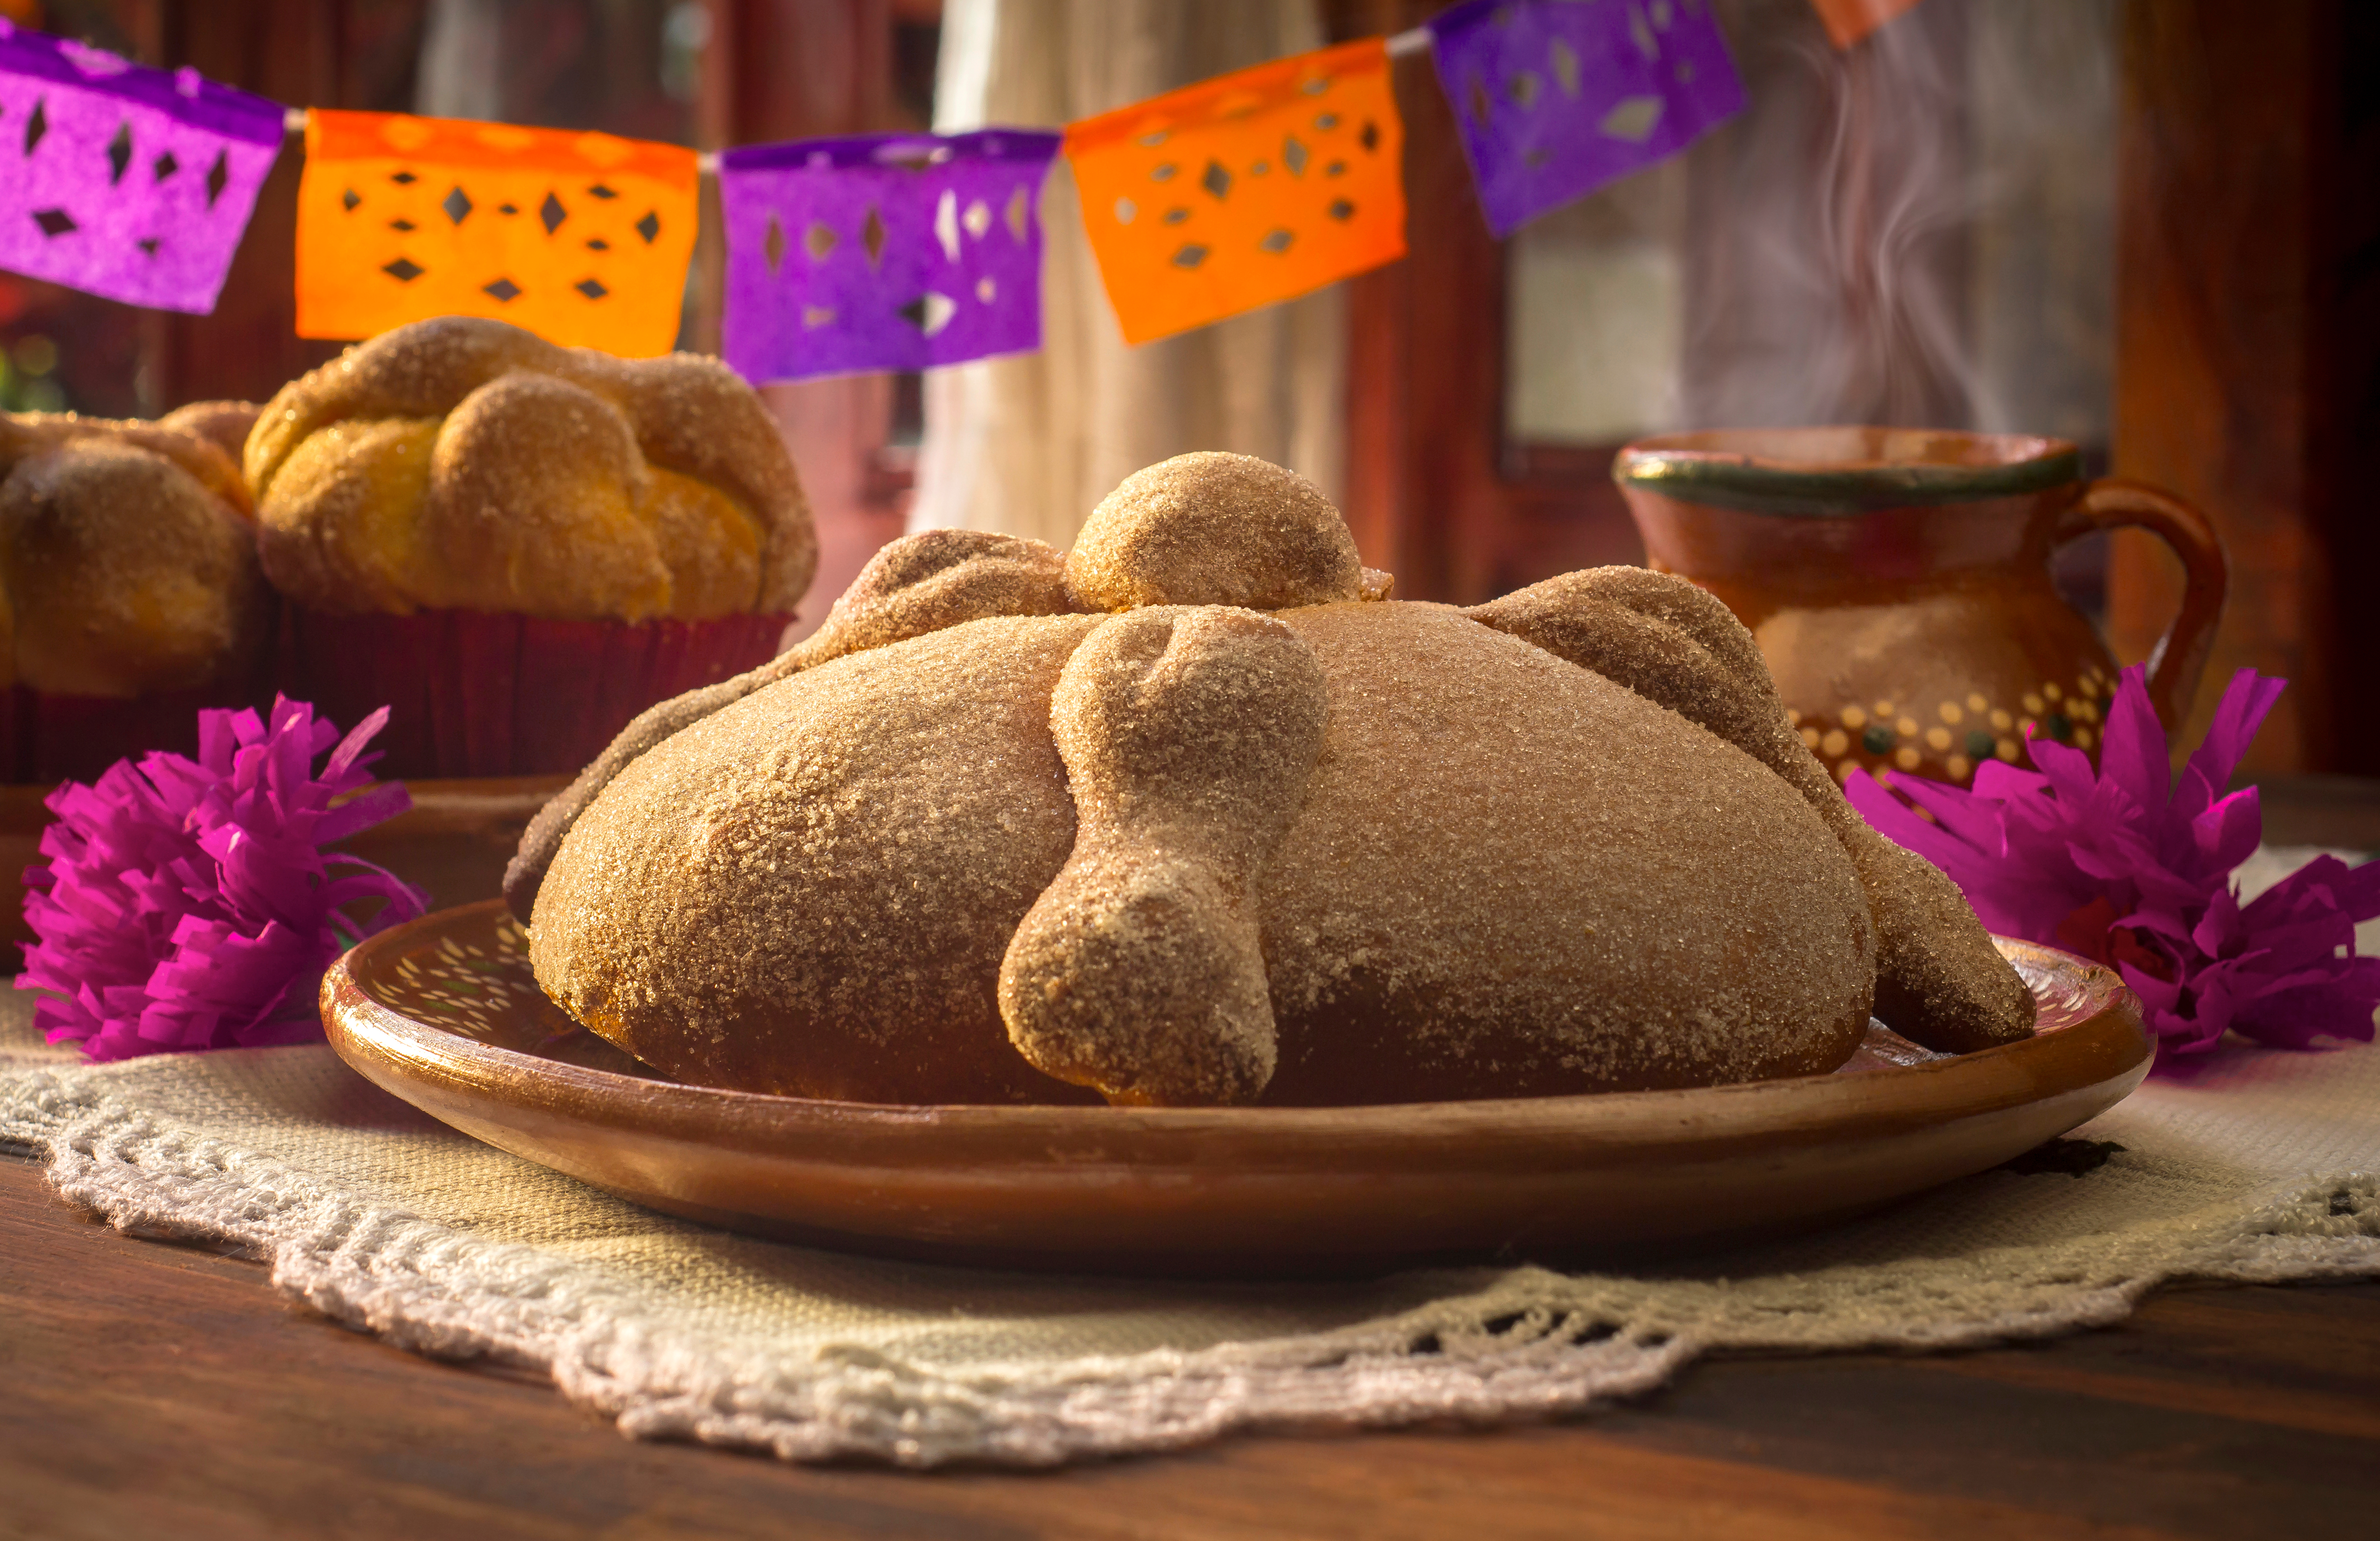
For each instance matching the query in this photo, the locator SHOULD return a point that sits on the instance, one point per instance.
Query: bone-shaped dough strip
(1188, 735)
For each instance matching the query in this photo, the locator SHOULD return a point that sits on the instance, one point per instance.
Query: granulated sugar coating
(811, 891)
(1939, 977)
(1241, 847)
(122, 569)
(938, 578)
(1512, 877)
(923, 583)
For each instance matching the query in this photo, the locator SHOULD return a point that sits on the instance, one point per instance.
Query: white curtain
(1029, 445)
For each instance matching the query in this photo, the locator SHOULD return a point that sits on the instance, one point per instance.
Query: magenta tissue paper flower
(188, 904)
(2131, 867)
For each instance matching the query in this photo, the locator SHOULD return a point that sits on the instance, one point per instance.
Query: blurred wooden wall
(1435, 492)
(357, 54)
(2248, 336)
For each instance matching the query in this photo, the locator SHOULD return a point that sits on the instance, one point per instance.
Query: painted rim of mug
(1727, 479)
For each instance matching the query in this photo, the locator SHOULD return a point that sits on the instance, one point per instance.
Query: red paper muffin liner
(472, 693)
(47, 738)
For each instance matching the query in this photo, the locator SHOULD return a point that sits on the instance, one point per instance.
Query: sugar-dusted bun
(225, 424)
(462, 464)
(127, 561)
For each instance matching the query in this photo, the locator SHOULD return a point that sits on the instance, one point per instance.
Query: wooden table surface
(153, 1390)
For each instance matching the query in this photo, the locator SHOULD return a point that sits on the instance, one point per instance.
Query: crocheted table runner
(2264, 1167)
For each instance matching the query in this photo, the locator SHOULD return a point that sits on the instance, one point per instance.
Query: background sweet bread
(128, 558)
(463, 464)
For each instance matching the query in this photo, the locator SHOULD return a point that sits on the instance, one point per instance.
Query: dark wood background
(2248, 337)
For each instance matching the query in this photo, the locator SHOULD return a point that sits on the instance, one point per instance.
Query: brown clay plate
(445, 1013)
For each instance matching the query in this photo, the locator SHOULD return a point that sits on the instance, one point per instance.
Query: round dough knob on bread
(1213, 528)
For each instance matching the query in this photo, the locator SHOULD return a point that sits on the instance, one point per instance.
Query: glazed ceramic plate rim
(987, 1182)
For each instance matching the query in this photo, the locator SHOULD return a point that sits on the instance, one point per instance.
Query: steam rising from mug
(1917, 231)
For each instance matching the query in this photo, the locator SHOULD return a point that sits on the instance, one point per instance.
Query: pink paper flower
(2129, 868)
(188, 904)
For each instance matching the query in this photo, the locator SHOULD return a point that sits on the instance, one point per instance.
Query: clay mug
(1898, 580)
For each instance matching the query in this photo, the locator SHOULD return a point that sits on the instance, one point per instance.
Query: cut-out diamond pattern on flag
(1553, 99)
(582, 238)
(1244, 189)
(74, 124)
(883, 252)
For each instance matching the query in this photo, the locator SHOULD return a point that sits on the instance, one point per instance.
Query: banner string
(1554, 101)
(1414, 39)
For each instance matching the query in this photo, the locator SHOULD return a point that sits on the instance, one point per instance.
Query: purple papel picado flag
(122, 180)
(1554, 98)
(883, 252)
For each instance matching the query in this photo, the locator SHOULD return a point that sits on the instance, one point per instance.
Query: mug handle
(2181, 653)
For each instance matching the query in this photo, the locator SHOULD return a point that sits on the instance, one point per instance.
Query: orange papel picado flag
(1847, 21)
(1244, 190)
(582, 238)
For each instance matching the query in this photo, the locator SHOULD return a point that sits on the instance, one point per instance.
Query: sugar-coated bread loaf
(463, 464)
(1505, 877)
(1239, 829)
